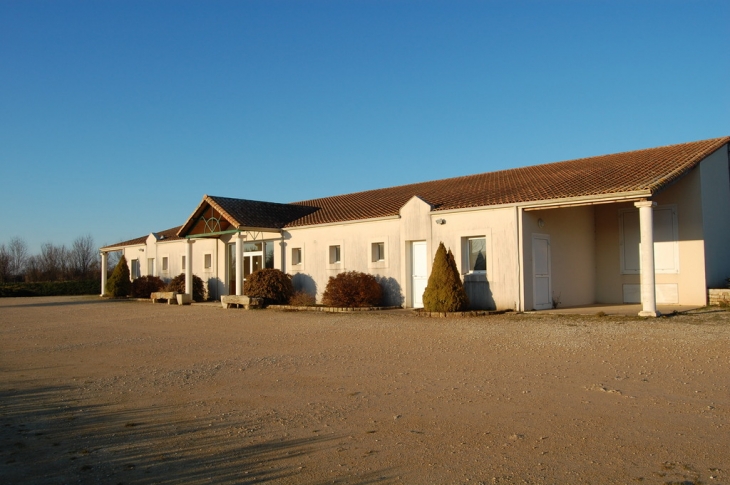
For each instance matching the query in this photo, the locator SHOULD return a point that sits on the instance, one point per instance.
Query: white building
(649, 226)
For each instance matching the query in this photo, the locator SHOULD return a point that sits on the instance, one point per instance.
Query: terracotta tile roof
(648, 170)
(167, 235)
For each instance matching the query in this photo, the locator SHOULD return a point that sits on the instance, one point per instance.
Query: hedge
(50, 288)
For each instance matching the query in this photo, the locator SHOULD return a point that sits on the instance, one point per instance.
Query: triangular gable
(207, 218)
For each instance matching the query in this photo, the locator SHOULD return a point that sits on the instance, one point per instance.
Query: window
(164, 263)
(208, 260)
(150, 266)
(135, 269)
(183, 263)
(335, 255)
(377, 251)
(269, 254)
(477, 254)
(296, 256)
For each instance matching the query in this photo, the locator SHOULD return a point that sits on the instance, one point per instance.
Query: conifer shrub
(144, 286)
(302, 298)
(352, 289)
(119, 284)
(177, 284)
(445, 291)
(273, 285)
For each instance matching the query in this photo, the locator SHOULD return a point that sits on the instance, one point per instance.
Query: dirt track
(127, 392)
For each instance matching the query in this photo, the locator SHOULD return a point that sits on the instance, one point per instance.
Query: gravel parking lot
(97, 391)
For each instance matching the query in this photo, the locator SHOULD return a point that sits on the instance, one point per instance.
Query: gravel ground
(96, 391)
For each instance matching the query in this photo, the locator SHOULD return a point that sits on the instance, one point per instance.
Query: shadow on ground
(47, 436)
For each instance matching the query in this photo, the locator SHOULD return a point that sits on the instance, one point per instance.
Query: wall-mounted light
(440, 222)
(141, 249)
(540, 223)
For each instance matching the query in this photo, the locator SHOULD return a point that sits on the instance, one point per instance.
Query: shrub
(119, 284)
(177, 284)
(302, 298)
(445, 290)
(50, 288)
(352, 289)
(144, 286)
(273, 285)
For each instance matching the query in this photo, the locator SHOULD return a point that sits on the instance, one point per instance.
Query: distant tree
(445, 290)
(53, 262)
(119, 283)
(18, 251)
(83, 256)
(4, 264)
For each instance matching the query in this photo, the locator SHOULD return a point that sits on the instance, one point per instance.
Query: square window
(477, 251)
(335, 255)
(164, 264)
(296, 256)
(378, 252)
(208, 260)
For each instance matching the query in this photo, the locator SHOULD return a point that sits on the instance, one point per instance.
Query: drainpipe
(520, 261)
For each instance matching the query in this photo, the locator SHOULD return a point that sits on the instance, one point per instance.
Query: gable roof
(242, 213)
(642, 171)
(167, 235)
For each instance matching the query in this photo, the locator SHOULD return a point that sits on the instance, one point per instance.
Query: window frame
(207, 261)
(468, 252)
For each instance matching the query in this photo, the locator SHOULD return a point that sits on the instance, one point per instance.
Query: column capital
(645, 203)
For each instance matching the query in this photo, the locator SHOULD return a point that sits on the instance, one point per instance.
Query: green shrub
(273, 285)
(302, 298)
(177, 284)
(445, 291)
(144, 286)
(50, 288)
(352, 289)
(119, 284)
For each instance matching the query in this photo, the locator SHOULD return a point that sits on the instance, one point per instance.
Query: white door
(419, 275)
(541, 271)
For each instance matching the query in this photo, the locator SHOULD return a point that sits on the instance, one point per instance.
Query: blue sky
(117, 116)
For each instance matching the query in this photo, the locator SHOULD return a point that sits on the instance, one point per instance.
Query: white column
(189, 267)
(104, 263)
(648, 289)
(239, 264)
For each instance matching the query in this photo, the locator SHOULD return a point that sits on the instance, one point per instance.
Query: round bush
(177, 284)
(352, 289)
(273, 285)
(144, 286)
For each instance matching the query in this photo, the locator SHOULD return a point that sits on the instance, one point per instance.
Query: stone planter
(184, 299)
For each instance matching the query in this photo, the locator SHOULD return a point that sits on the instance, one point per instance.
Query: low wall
(719, 297)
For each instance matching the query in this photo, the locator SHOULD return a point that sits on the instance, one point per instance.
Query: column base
(647, 313)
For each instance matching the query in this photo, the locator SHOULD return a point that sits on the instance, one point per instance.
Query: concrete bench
(241, 301)
(169, 296)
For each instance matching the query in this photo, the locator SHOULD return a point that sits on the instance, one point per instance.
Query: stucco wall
(715, 183)
(355, 242)
(572, 253)
(689, 281)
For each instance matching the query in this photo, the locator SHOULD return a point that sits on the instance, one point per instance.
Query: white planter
(184, 299)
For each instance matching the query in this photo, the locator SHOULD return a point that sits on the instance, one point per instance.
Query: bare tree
(53, 262)
(84, 257)
(4, 264)
(18, 251)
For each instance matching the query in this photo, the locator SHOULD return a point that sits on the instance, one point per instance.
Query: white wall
(715, 183)
(572, 253)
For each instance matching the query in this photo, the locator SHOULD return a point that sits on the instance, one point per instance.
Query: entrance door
(419, 275)
(541, 272)
(253, 257)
